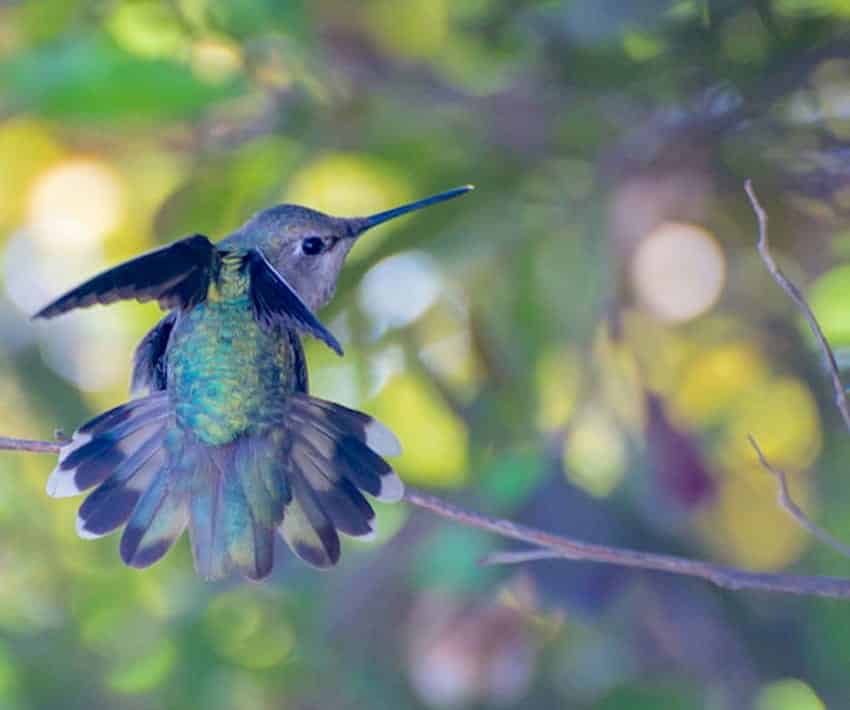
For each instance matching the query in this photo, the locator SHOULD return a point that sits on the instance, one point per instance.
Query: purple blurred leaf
(680, 469)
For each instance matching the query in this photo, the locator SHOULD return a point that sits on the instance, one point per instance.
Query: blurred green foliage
(582, 344)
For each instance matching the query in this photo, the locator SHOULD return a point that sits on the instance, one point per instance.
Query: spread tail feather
(305, 477)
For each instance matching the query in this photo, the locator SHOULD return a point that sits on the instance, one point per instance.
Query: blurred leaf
(557, 377)
(147, 672)
(417, 30)
(449, 559)
(788, 694)
(594, 453)
(512, 477)
(148, 28)
(680, 468)
(249, 630)
(43, 20)
(828, 297)
(649, 698)
(91, 79)
(249, 18)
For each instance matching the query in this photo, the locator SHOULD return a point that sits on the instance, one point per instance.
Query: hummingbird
(221, 435)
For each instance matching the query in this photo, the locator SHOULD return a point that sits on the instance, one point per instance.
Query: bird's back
(227, 375)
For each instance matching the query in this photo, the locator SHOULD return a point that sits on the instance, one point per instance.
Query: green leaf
(147, 672)
(92, 79)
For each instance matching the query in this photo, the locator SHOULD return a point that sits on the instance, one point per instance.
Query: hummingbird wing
(150, 373)
(275, 302)
(176, 275)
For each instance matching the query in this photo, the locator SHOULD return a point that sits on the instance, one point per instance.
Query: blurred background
(582, 344)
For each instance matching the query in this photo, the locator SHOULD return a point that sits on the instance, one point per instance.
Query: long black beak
(358, 225)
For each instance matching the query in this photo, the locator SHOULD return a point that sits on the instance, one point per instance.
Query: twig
(789, 505)
(516, 557)
(39, 447)
(786, 502)
(571, 549)
(549, 545)
(799, 300)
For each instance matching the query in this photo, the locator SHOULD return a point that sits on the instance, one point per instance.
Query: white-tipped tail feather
(392, 488)
(309, 476)
(381, 440)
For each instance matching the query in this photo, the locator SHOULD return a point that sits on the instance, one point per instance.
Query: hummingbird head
(308, 247)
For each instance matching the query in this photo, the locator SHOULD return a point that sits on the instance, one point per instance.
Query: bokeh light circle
(678, 271)
(74, 204)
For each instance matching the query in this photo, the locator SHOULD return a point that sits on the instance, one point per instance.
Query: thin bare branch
(516, 557)
(789, 505)
(7, 443)
(799, 300)
(571, 549)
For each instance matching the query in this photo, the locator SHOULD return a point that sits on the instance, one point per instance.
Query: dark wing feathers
(275, 302)
(176, 275)
(149, 363)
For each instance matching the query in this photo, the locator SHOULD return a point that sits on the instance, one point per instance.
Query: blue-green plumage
(224, 438)
(226, 374)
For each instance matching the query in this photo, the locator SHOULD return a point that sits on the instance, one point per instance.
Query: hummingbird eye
(312, 246)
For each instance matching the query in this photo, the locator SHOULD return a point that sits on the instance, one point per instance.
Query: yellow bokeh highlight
(557, 377)
(595, 454)
(659, 350)
(714, 381)
(434, 439)
(147, 28)
(215, 61)
(416, 30)
(74, 204)
(783, 417)
(788, 694)
(27, 148)
(746, 527)
(620, 378)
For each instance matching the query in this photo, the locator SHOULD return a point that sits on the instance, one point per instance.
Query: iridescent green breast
(227, 375)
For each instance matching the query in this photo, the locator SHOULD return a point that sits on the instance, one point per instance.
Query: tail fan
(305, 477)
